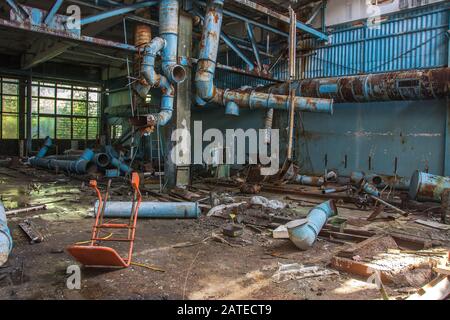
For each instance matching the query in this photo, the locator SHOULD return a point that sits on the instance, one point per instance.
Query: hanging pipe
(303, 233)
(253, 99)
(43, 151)
(209, 47)
(167, 45)
(6, 242)
(168, 29)
(400, 85)
(155, 210)
(268, 124)
(206, 66)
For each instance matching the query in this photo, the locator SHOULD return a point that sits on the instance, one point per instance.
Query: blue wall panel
(387, 133)
(410, 40)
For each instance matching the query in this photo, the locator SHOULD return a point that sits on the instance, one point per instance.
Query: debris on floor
(339, 245)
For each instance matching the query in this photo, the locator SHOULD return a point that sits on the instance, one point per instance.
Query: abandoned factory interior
(224, 150)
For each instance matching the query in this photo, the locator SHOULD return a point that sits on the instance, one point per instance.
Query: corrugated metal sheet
(410, 40)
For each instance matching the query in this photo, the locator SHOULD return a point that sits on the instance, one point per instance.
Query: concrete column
(180, 175)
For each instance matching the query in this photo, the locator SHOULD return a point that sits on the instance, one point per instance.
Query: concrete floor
(193, 268)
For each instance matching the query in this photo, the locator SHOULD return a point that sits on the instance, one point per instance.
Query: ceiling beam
(278, 16)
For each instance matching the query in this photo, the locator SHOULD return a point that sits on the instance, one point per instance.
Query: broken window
(64, 111)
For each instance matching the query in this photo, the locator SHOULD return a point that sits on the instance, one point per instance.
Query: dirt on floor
(178, 259)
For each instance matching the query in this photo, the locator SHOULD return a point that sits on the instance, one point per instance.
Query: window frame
(87, 117)
(14, 81)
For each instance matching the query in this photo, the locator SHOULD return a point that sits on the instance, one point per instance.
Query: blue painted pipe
(209, 47)
(156, 210)
(82, 165)
(168, 29)
(259, 100)
(232, 109)
(168, 46)
(303, 233)
(87, 155)
(102, 160)
(43, 151)
(120, 165)
(6, 242)
(206, 66)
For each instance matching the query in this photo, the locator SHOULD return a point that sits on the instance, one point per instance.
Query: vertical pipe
(268, 126)
(292, 73)
(209, 47)
(168, 29)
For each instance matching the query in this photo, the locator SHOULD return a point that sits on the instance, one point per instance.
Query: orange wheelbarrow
(96, 255)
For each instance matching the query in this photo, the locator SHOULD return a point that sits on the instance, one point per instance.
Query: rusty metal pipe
(167, 44)
(428, 187)
(259, 100)
(397, 86)
(209, 48)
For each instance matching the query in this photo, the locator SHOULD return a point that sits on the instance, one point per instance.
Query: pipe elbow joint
(142, 90)
(148, 63)
(205, 91)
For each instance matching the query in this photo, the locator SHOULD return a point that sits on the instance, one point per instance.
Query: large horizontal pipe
(380, 180)
(259, 100)
(156, 210)
(6, 242)
(427, 187)
(303, 233)
(401, 85)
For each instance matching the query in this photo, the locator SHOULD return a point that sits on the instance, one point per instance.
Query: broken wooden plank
(23, 210)
(433, 224)
(342, 236)
(31, 231)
